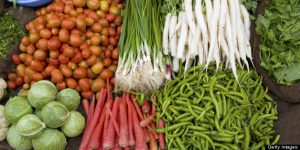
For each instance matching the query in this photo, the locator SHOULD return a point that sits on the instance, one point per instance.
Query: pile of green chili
(10, 31)
(211, 110)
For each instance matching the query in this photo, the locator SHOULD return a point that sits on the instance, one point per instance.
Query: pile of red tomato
(72, 43)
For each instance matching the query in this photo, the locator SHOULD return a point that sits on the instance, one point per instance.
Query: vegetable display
(30, 126)
(120, 123)
(278, 29)
(220, 34)
(74, 125)
(15, 108)
(213, 110)
(10, 31)
(141, 65)
(4, 124)
(70, 98)
(17, 141)
(72, 43)
(51, 139)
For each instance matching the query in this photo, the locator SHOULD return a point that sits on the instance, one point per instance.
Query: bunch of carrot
(120, 124)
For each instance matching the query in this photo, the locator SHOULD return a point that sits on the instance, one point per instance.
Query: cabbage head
(55, 114)
(38, 112)
(70, 98)
(15, 108)
(41, 93)
(74, 125)
(50, 139)
(30, 126)
(17, 141)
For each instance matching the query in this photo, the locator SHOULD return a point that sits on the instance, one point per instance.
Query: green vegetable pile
(10, 31)
(279, 30)
(41, 129)
(213, 110)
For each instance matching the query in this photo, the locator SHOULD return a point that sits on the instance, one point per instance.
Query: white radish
(165, 34)
(233, 21)
(214, 53)
(246, 20)
(240, 33)
(172, 35)
(230, 59)
(209, 12)
(200, 52)
(190, 15)
(222, 20)
(175, 64)
(202, 25)
(182, 38)
(178, 25)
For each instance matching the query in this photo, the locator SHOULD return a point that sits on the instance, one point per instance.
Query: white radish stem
(222, 20)
(190, 15)
(202, 25)
(182, 38)
(175, 64)
(172, 35)
(246, 20)
(209, 11)
(165, 34)
(200, 51)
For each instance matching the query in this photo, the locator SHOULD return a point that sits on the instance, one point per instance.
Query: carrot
(161, 124)
(152, 127)
(91, 112)
(85, 104)
(140, 143)
(147, 136)
(146, 106)
(146, 121)
(123, 139)
(127, 148)
(138, 110)
(116, 146)
(92, 125)
(131, 141)
(153, 144)
(109, 138)
(106, 121)
(113, 119)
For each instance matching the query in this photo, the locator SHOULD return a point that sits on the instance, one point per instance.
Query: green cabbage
(55, 114)
(41, 93)
(15, 108)
(30, 126)
(74, 125)
(50, 139)
(70, 98)
(38, 112)
(17, 141)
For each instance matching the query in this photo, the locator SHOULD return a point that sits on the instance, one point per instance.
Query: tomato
(27, 79)
(107, 53)
(68, 51)
(53, 62)
(80, 24)
(45, 33)
(77, 58)
(91, 75)
(54, 31)
(54, 54)
(22, 48)
(64, 35)
(54, 43)
(26, 86)
(56, 76)
(68, 8)
(97, 68)
(42, 44)
(96, 40)
(20, 70)
(60, 86)
(71, 83)
(40, 55)
(91, 60)
(96, 27)
(115, 62)
(39, 27)
(89, 21)
(80, 3)
(104, 6)
(89, 34)
(86, 53)
(72, 66)
(112, 31)
(25, 41)
(110, 17)
(37, 76)
(114, 10)
(34, 37)
(106, 74)
(115, 54)
(95, 50)
(76, 31)
(104, 40)
(29, 72)
(49, 69)
(54, 21)
(107, 62)
(28, 60)
(11, 85)
(97, 85)
(58, 7)
(105, 31)
(75, 40)
(36, 65)
(113, 68)
(118, 20)
(67, 72)
(103, 23)
(12, 76)
(93, 4)
(15, 58)
(113, 41)
(63, 59)
(68, 24)
(84, 84)
(80, 73)
(84, 45)
(94, 16)
(87, 94)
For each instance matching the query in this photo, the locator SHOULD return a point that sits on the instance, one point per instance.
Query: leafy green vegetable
(10, 31)
(50, 139)
(15, 108)
(279, 30)
(17, 141)
(251, 6)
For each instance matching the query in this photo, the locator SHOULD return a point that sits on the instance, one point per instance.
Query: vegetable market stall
(286, 124)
